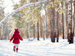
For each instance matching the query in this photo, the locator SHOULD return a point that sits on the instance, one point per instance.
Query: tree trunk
(70, 22)
(0, 33)
(46, 24)
(67, 21)
(74, 16)
(34, 31)
(52, 24)
(38, 30)
(41, 29)
(27, 31)
(62, 21)
(49, 16)
(57, 33)
(37, 27)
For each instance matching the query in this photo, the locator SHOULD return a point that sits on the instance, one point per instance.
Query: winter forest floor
(38, 48)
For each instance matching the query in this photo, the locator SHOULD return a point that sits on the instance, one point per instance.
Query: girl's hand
(22, 40)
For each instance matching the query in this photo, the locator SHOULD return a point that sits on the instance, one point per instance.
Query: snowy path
(38, 48)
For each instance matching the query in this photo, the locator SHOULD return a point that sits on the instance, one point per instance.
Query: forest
(39, 19)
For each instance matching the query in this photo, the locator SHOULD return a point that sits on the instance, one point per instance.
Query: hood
(16, 33)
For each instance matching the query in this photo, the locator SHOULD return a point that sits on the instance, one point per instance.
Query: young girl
(16, 40)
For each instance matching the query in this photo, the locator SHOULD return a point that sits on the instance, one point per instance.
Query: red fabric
(16, 37)
(16, 49)
(14, 46)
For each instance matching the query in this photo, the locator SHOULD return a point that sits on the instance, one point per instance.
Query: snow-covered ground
(38, 48)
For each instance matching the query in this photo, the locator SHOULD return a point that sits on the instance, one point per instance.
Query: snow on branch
(3, 9)
(18, 9)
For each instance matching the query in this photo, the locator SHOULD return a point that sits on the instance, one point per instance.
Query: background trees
(1, 17)
(47, 19)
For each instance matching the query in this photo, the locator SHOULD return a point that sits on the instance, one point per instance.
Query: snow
(38, 48)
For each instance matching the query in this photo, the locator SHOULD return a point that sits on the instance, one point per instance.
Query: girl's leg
(16, 47)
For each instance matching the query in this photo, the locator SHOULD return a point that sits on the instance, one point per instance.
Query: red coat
(16, 37)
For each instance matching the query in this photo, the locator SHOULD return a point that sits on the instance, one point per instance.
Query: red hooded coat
(16, 37)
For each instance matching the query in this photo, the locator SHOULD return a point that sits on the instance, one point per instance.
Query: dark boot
(14, 48)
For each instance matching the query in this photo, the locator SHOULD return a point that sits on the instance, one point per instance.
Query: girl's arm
(20, 38)
(11, 38)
